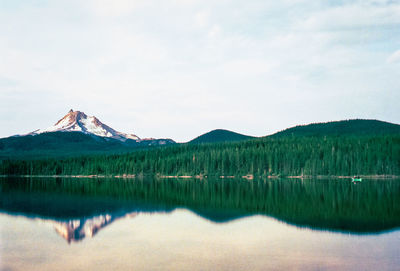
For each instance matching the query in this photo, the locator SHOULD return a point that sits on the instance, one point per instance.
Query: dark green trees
(335, 155)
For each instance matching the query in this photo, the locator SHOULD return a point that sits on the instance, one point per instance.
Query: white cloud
(353, 16)
(214, 31)
(395, 57)
(202, 18)
(113, 8)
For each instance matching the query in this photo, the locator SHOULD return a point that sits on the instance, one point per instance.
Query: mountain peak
(78, 121)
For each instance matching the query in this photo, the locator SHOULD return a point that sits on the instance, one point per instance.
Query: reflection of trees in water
(335, 204)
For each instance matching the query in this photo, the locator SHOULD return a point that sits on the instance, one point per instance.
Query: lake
(192, 224)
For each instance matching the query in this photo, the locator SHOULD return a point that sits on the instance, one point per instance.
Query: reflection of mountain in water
(81, 208)
(77, 229)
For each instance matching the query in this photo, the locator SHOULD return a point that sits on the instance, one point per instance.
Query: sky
(180, 68)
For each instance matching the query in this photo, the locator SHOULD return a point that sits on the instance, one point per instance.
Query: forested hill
(219, 135)
(64, 144)
(356, 127)
(307, 156)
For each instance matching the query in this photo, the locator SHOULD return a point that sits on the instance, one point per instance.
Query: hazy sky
(180, 68)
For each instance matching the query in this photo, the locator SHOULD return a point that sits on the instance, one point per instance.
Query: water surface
(150, 224)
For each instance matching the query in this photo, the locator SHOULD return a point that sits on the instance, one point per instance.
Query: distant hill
(219, 135)
(64, 144)
(345, 127)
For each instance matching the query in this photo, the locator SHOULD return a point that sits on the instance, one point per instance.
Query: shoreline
(246, 177)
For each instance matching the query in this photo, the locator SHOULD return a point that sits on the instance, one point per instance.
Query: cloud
(395, 57)
(353, 16)
(214, 31)
(112, 8)
(202, 18)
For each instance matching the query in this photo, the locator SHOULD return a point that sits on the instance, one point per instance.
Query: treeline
(310, 156)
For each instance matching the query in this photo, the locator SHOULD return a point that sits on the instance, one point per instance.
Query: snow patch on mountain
(77, 121)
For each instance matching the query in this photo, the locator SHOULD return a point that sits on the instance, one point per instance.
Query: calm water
(149, 224)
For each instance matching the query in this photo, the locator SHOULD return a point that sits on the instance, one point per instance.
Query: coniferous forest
(270, 156)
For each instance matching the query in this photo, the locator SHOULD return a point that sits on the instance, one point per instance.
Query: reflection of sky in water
(183, 241)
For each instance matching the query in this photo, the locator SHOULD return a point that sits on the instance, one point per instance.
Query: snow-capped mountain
(74, 134)
(77, 121)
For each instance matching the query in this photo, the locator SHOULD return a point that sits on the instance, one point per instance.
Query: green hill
(57, 144)
(219, 135)
(67, 144)
(356, 127)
